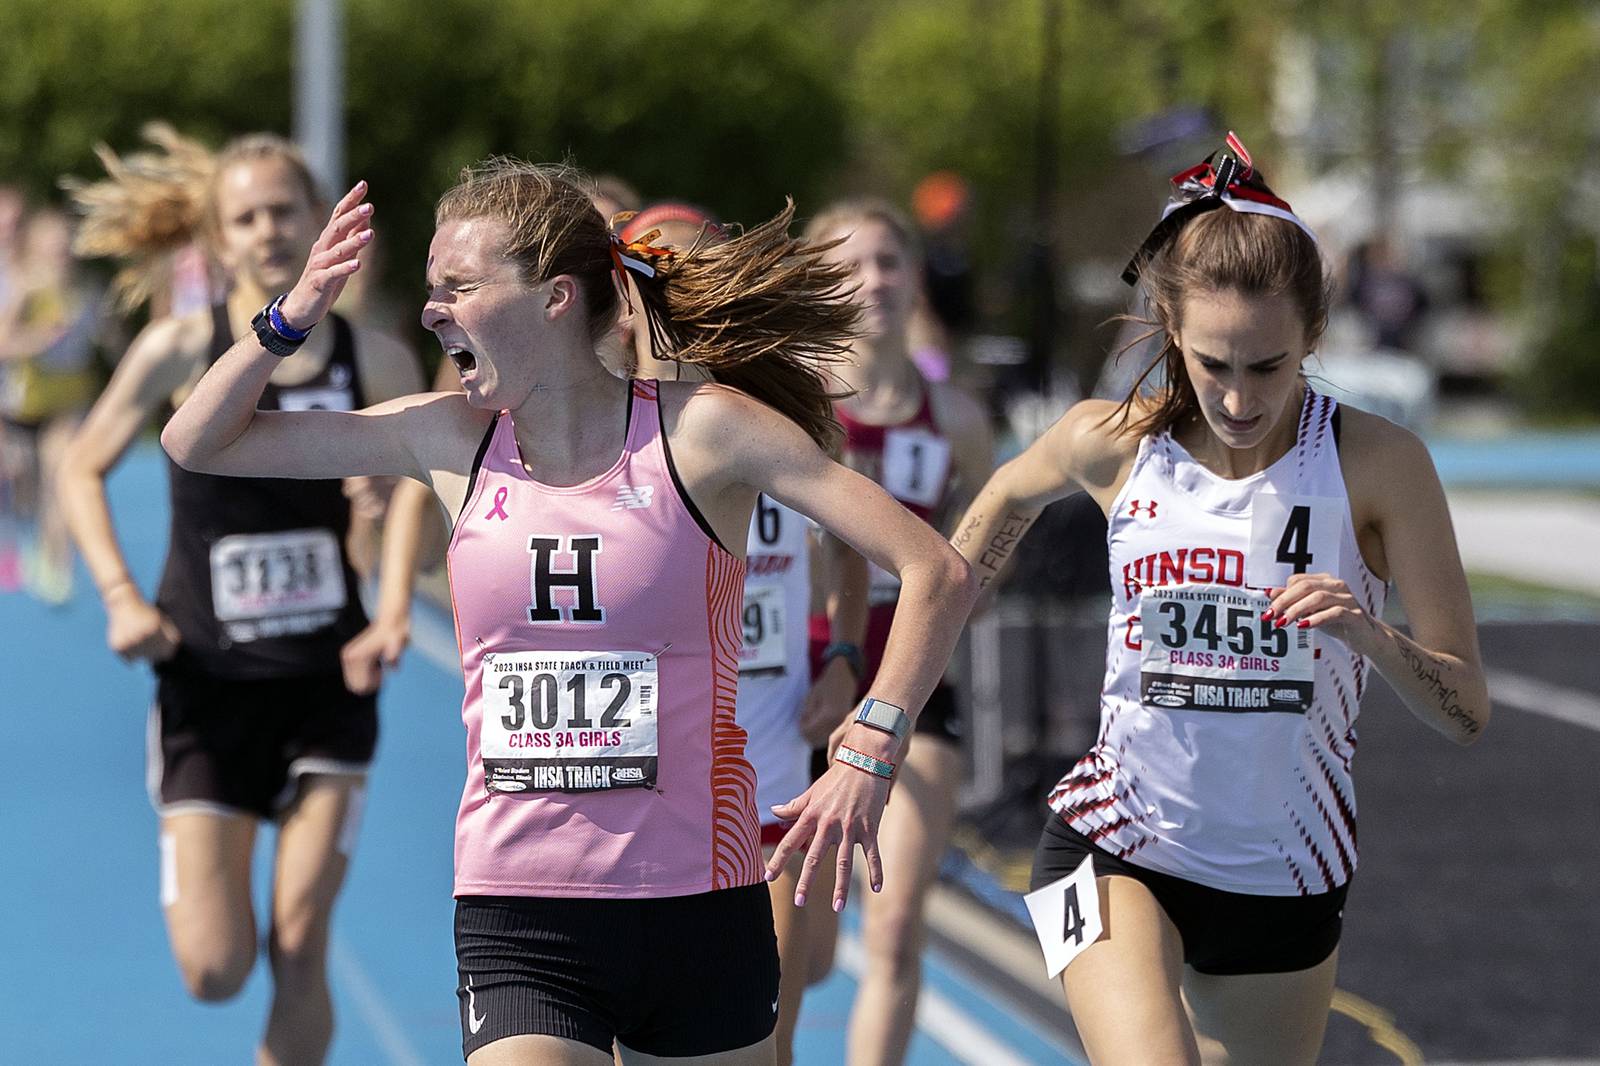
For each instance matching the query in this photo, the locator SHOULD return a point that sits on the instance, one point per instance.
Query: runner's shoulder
(169, 352)
(1094, 443)
(1381, 457)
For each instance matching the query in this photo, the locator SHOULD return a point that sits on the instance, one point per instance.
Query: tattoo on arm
(965, 534)
(994, 555)
(1429, 671)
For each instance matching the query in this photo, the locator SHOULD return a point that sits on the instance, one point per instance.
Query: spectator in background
(1387, 295)
(944, 309)
(49, 327)
(12, 207)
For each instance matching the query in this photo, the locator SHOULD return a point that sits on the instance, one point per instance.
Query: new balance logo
(1148, 507)
(633, 497)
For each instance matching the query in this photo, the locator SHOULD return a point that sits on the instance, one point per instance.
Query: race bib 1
(764, 646)
(1292, 535)
(556, 721)
(1207, 648)
(275, 584)
(1066, 916)
(916, 463)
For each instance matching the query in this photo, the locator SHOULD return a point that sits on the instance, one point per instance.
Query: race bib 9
(273, 584)
(762, 618)
(1207, 648)
(568, 721)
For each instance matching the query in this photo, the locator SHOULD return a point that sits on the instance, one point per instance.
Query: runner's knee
(213, 974)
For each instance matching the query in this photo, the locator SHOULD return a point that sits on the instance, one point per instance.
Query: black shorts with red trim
(1224, 933)
(674, 977)
(237, 746)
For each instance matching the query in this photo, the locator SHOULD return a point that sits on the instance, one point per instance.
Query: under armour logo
(633, 497)
(1134, 507)
(546, 578)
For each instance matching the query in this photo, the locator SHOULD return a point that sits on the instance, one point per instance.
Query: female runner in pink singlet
(608, 871)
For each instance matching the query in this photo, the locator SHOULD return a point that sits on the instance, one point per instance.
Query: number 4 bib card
(1292, 535)
(1066, 916)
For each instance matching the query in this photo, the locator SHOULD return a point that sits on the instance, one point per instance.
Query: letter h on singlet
(546, 578)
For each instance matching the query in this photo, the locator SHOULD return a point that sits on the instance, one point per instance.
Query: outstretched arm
(1076, 452)
(155, 366)
(766, 452)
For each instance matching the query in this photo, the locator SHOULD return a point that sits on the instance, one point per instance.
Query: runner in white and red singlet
(928, 444)
(608, 872)
(1254, 526)
(783, 711)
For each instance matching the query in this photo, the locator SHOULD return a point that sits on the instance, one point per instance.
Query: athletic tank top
(1225, 741)
(257, 579)
(600, 634)
(774, 665)
(912, 461)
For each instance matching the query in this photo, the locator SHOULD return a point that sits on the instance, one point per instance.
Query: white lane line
(1524, 693)
(372, 1007)
(939, 1017)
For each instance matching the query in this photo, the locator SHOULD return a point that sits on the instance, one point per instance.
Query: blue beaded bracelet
(864, 762)
(280, 325)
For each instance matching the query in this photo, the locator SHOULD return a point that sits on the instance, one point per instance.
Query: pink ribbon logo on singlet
(499, 508)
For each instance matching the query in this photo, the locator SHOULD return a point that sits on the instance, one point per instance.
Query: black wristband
(273, 341)
(850, 653)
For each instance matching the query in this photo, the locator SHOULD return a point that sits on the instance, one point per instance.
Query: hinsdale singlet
(257, 578)
(599, 627)
(1226, 741)
(912, 461)
(774, 667)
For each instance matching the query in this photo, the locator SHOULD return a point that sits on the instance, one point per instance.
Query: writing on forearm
(994, 555)
(968, 530)
(1431, 673)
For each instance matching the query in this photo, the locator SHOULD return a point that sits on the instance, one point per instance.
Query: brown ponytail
(760, 311)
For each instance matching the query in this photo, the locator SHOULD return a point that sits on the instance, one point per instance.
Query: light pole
(319, 90)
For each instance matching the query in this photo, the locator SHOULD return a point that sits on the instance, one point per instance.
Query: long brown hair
(152, 203)
(761, 311)
(1216, 252)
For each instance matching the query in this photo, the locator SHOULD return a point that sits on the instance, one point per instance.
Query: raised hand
(333, 259)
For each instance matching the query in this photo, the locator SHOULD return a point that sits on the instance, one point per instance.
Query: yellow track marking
(1380, 1026)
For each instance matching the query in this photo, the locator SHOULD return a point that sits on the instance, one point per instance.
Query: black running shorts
(1224, 933)
(679, 976)
(236, 746)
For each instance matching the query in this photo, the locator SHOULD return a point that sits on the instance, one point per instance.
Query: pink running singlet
(599, 633)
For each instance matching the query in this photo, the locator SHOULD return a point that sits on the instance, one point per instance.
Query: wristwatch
(884, 716)
(275, 334)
